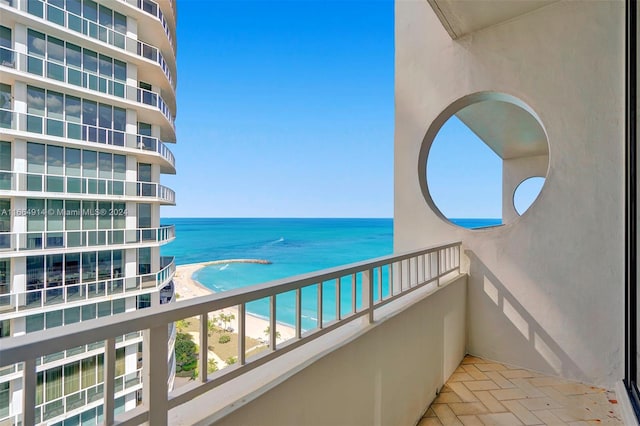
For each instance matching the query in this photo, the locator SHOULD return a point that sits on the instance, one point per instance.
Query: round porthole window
(526, 193)
(483, 160)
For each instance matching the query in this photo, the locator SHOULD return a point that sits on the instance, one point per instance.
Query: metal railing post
(155, 373)
(29, 392)
(109, 380)
(204, 347)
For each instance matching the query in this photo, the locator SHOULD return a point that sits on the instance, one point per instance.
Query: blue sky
(286, 109)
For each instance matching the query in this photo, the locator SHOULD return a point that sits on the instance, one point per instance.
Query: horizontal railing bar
(187, 393)
(20, 348)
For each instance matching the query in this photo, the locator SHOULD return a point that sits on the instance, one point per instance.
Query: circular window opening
(526, 193)
(482, 159)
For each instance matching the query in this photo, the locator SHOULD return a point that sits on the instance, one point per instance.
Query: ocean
(293, 246)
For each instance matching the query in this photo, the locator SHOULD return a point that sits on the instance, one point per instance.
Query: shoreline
(188, 287)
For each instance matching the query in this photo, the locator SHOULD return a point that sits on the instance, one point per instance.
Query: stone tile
(463, 392)
(491, 367)
(445, 415)
(522, 413)
(575, 389)
(546, 403)
(473, 371)
(480, 385)
(430, 421)
(499, 419)
(506, 394)
(490, 402)
(470, 420)
(429, 413)
(466, 408)
(555, 395)
(518, 374)
(573, 414)
(546, 381)
(526, 387)
(549, 418)
(459, 377)
(500, 380)
(447, 397)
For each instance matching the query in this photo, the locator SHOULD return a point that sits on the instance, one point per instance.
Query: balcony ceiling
(461, 17)
(509, 130)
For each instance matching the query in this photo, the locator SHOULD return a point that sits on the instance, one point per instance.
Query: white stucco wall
(546, 291)
(514, 172)
(386, 375)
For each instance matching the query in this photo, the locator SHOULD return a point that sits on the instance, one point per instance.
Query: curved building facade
(87, 109)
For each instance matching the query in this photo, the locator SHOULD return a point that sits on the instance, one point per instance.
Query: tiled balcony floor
(486, 393)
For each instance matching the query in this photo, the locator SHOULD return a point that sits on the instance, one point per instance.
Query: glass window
(88, 312)
(119, 167)
(72, 162)
(73, 215)
(119, 70)
(106, 116)
(118, 306)
(144, 215)
(74, 55)
(90, 60)
(5, 398)
(35, 220)
(72, 108)
(104, 310)
(120, 22)
(55, 221)
(144, 301)
(118, 264)
(106, 17)
(5, 276)
(89, 266)
(144, 260)
(106, 66)
(36, 44)
(90, 10)
(119, 118)
(35, 272)
(88, 372)
(72, 268)
(55, 49)
(89, 163)
(144, 172)
(35, 100)
(104, 220)
(144, 129)
(5, 222)
(53, 319)
(5, 37)
(55, 105)
(53, 383)
(71, 377)
(55, 160)
(88, 218)
(119, 217)
(75, 7)
(55, 266)
(5, 155)
(35, 157)
(104, 265)
(105, 165)
(89, 112)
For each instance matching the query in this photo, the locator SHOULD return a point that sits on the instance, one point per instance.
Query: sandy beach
(188, 288)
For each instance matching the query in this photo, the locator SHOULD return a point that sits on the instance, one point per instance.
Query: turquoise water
(294, 246)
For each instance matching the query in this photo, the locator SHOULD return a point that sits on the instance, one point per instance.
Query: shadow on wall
(500, 328)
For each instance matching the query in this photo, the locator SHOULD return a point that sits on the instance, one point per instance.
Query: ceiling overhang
(462, 17)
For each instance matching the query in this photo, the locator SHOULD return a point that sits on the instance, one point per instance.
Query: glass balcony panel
(53, 296)
(53, 409)
(55, 71)
(118, 138)
(32, 300)
(92, 238)
(118, 188)
(131, 284)
(74, 77)
(102, 85)
(55, 15)
(94, 394)
(34, 124)
(74, 131)
(6, 179)
(55, 240)
(34, 65)
(75, 401)
(74, 23)
(74, 185)
(55, 128)
(92, 186)
(75, 292)
(117, 237)
(7, 58)
(5, 119)
(118, 89)
(55, 184)
(75, 351)
(74, 239)
(102, 187)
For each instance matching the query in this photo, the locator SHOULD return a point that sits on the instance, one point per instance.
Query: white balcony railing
(105, 287)
(84, 186)
(58, 240)
(366, 281)
(153, 9)
(94, 30)
(40, 125)
(86, 79)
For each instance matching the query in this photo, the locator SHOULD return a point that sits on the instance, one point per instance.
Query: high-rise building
(87, 105)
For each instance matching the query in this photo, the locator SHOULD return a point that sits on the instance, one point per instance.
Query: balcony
(88, 80)
(152, 8)
(385, 301)
(40, 185)
(74, 130)
(36, 242)
(74, 292)
(94, 30)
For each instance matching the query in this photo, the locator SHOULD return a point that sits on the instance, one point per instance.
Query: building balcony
(46, 129)
(71, 292)
(47, 12)
(33, 243)
(75, 76)
(150, 8)
(38, 185)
